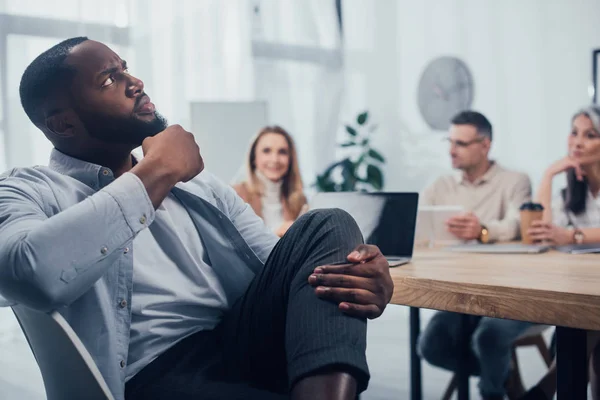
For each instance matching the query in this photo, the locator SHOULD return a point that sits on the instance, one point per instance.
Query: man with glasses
(491, 196)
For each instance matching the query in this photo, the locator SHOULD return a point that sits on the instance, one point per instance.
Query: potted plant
(360, 170)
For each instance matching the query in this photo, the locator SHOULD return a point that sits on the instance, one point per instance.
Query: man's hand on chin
(362, 288)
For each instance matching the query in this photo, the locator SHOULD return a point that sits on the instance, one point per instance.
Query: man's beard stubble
(131, 130)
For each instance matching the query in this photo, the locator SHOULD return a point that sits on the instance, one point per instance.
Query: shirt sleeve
(49, 261)
(508, 228)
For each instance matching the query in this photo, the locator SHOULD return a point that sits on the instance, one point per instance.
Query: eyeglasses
(462, 143)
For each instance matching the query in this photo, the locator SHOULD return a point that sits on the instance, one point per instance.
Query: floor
(388, 355)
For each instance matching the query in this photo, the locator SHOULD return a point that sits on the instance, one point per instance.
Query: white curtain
(297, 48)
(191, 50)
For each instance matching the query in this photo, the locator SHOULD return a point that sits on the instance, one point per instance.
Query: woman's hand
(565, 164)
(541, 231)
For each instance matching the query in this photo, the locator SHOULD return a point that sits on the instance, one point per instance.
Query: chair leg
(540, 343)
(514, 387)
(452, 385)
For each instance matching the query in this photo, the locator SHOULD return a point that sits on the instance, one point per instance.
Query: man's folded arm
(48, 262)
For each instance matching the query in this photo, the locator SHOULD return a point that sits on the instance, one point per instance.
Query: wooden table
(550, 288)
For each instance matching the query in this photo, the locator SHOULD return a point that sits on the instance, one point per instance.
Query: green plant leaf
(351, 130)
(362, 118)
(347, 144)
(365, 142)
(330, 169)
(376, 155)
(348, 176)
(361, 159)
(375, 176)
(324, 183)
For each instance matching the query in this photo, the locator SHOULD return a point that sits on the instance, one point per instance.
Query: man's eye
(109, 81)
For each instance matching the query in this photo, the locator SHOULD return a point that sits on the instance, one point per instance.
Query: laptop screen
(386, 220)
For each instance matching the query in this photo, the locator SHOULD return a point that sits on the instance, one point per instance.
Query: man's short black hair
(44, 76)
(476, 119)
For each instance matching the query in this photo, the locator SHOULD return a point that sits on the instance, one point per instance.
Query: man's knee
(329, 214)
(332, 219)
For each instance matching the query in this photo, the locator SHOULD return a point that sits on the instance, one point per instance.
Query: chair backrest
(68, 370)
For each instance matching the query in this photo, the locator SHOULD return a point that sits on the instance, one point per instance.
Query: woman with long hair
(273, 186)
(573, 217)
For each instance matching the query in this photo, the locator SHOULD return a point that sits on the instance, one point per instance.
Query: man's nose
(135, 86)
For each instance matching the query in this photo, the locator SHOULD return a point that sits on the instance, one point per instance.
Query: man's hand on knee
(362, 288)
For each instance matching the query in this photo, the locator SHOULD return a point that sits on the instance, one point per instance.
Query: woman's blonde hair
(291, 187)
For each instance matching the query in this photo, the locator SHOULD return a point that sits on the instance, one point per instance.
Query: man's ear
(487, 143)
(61, 124)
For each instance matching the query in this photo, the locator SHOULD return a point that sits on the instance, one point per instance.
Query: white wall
(530, 60)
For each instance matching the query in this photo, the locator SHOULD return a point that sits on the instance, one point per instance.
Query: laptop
(508, 248)
(587, 248)
(387, 220)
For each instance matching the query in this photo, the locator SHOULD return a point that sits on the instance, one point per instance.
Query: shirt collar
(92, 175)
(488, 176)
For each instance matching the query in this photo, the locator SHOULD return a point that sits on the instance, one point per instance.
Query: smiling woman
(273, 187)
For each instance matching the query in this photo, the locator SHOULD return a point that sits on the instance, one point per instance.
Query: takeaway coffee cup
(529, 212)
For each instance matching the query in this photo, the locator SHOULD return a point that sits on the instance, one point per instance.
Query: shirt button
(122, 363)
(126, 250)
(143, 219)
(105, 172)
(123, 303)
(104, 250)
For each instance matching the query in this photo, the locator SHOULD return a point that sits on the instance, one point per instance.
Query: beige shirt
(494, 198)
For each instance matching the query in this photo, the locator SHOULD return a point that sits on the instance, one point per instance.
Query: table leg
(464, 340)
(571, 364)
(416, 392)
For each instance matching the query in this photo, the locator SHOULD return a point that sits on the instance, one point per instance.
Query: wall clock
(445, 89)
